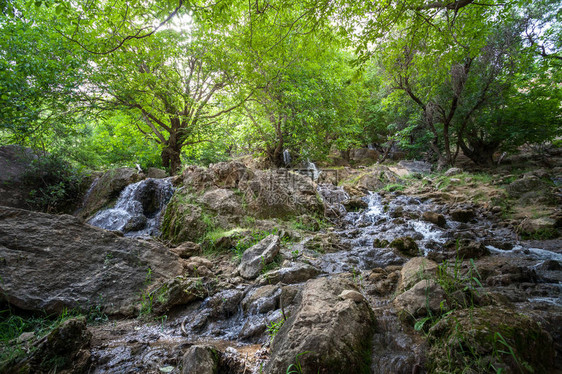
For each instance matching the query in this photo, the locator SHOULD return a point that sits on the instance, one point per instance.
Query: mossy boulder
(405, 245)
(488, 339)
(183, 220)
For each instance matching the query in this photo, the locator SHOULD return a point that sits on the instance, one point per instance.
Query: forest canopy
(164, 83)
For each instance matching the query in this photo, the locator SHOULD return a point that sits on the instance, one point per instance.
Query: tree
(40, 77)
(172, 82)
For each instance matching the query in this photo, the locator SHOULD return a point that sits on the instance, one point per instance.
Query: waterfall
(286, 157)
(138, 208)
(312, 169)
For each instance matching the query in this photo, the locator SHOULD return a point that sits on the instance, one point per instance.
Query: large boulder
(329, 332)
(425, 298)
(258, 256)
(415, 270)
(489, 339)
(376, 178)
(106, 189)
(200, 359)
(182, 220)
(50, 262)
(280, 194)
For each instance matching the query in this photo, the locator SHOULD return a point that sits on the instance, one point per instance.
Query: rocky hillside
(383, 269)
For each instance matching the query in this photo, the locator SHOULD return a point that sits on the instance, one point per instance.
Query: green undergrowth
(470, 334)
(12, 326)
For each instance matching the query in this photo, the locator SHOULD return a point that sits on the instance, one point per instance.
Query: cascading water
(286, 157)
(312, 170)
(138, 208)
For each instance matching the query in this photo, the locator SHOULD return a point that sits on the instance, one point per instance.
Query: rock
(424, 298)
(51, 262)
(382, 282)
(177, 291)
(364, 155)
(355, 203)
(255, 258)
(65, 349)
(107, 188)
(435, 218)
(297, 273)
(14, 163)
(222, 201)
(326, 334)
(405, 245)
(376, 178)
(492, 333)
(415, 270)
(183, 221)
(156, 173)
(528, 183)
(462, 215)
(187, 249)
(416, 167)
(352, 295)
(262, 299)
(280, 193)
(453, 171)
(538, 228)
(378, 243)
(200, 359)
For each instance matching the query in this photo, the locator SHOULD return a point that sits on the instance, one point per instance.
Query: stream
(236, 317)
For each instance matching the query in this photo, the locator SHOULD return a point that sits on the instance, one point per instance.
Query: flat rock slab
(50, 262)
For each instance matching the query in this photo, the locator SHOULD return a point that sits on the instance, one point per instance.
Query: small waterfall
(138, 209)
(312, 169)
(286, 157)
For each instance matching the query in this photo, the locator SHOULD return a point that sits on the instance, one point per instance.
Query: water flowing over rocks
(106, 189)
(93, 267)
(138, 209)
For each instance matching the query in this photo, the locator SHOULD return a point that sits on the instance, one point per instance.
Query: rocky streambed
(251, 277)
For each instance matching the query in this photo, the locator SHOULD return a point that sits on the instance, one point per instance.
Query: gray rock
(51, 262)
(435, 218)
(419, 167)
(255, 258)
(326, 333)
(14, 162)
(156, 173)
(200, 359)
(416, 269)
(297, 273)
(453, 171)
(424, 297)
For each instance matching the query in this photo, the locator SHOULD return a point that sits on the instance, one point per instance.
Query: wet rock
(489, 331)
(425, 298)
(135, 223)
(255, 258)
(52, 262)
(378, 243)
(466, 249)
(354, 203)
(200, 359)
(262, 299)
(326, 243)
(549, 265)
(156, 173)
(107, 188)
(187, 249)
(435, 218)
(397, 212)
(335, 333)
(405, 245)
(177, 291)
(352, 295)
(382, 282)
(297, 273)
(462, 215)
(415, 270)
(453, 171)
(65, 350)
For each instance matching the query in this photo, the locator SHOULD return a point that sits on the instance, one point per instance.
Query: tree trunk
(479, 151)
(171, 158)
